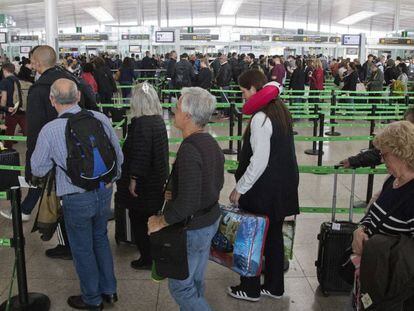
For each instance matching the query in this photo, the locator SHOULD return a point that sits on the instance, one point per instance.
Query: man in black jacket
(366, 68)
(39, 112)
(171, 69)
(223, 81)
(235, 66)
(216, 65)
(372, 157)
(148, 63)
(184, 74)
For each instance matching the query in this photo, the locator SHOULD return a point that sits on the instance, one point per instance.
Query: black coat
(350, 81)
(146, 158)
(204, 78)
(371, 157)
(391, 73)
(39, 111)
(183, 74)
(224, 75)
(297, 80)
(105, 80)
(171, 68)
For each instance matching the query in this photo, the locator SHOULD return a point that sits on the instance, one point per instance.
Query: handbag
(169, 247)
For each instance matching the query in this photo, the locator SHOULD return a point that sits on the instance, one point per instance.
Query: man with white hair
(197, 179)
(85, 150)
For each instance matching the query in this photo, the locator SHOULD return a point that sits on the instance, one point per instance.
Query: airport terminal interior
(343, 72)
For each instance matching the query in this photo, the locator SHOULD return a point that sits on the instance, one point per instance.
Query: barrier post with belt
(332, 132)
(24, 301)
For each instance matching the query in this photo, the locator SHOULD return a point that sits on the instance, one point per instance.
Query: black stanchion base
(37, 302)
(229, 151)
(314, 152)
(330, 133)
(231, 171)
(360, 204)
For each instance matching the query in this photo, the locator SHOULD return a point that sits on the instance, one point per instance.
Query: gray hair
(64, 91)
(145, 101)
(199, 103)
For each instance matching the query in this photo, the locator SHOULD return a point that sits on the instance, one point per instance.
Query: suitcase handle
(335, 190)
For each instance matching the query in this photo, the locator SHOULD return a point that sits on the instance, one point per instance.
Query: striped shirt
(387, 218)
(51, 148)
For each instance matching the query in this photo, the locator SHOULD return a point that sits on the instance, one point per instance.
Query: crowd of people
(64, 97)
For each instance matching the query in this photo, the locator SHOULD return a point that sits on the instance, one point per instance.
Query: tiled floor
(138, 292)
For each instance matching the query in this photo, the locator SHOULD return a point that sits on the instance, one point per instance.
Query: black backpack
(181, 75)
(91, 161)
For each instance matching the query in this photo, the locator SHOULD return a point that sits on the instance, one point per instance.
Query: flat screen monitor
(3, 37)
(351, 39)
(25, 49)
(134, 49)
(164, 36)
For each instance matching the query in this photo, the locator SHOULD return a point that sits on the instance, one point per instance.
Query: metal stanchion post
(332, 132)
(230, 150)
(314, 151)
(320, 143)
(125, 127)
(24, 300)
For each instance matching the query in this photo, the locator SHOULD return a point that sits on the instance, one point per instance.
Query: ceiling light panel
(357, 17)
(230, 7)
(100, 14)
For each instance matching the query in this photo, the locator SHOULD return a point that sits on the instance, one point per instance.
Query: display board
(16, 38)
(91, 37)
(351, 39)
(351, 51)
(299, 38)
(3, 37)
(134, 49)
(135, 37)
(396, 41)
(25, 49)
(249, 38)
(198, 37)
(164, 37)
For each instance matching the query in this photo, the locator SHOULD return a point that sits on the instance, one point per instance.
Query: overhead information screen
(198, 37)
(3, 37)
(91, 37)
(396, 41)
(15, 38)
(134, 49)
(25, 49)
(254, 38)
(351, 39)
(164, 36)
(135, 37)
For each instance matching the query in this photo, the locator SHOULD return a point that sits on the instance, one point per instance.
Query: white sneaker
(265, 292)
(238, 293)
(8, 215)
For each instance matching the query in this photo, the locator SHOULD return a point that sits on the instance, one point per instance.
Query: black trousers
(274, 263)
(139, 225)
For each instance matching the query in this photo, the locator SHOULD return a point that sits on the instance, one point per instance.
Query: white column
(177, 43)
(397, 16)
(319, 16)
(51, 24)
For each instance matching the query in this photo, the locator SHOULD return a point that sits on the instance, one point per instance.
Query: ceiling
(30, 14)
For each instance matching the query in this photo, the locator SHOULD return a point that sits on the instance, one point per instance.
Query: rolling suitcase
(334, 238)
(9, 178)
(123, 230)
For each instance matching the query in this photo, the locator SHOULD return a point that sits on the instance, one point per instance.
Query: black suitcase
(123, 230)
(334, 238)
(9, 178)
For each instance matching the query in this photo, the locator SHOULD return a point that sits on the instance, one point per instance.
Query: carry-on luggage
(9, 178)
(123, 230)
(334, 238)
(239, 241)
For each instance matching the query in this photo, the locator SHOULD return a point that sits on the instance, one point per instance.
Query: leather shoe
(76, 302)
(141, 264)
(110, 299)
(59, 252)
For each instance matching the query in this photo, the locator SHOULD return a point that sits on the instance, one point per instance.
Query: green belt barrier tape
(324, 170)
(5, 243)
(327, 210)
(366, 118)
(118, 125)
(333, 138)
(11, 168)
(114, 105)
(3, 195)
(16, 138)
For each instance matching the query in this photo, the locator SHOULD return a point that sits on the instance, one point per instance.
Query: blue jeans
(189, 293)
(86, 217)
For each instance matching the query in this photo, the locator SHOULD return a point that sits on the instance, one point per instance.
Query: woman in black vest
(145, 168)
(267, 184)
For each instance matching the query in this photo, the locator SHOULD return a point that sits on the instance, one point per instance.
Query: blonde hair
(318, 63)
(398, 137)
(145, 101)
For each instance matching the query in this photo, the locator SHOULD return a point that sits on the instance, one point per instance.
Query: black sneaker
(238, 293)
(59, 252)
(141, 264)
(76, 302)
(265, 292)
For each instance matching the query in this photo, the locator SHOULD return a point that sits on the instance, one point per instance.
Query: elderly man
(86, 205)
(197, 179)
